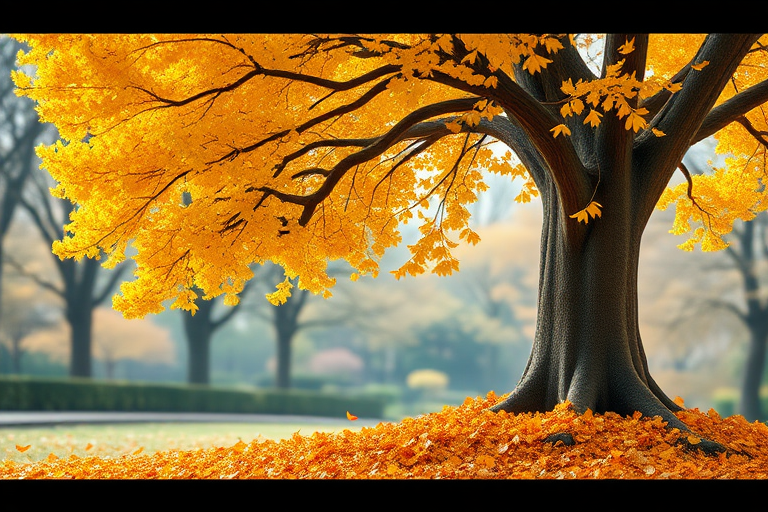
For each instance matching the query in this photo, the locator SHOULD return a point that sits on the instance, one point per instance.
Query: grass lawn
(115, 440)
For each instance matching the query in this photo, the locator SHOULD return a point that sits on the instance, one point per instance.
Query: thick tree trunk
(587, 347)
(749, 405)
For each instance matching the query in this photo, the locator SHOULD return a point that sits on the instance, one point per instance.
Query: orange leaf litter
(459, 443)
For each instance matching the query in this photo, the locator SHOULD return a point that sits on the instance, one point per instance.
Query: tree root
(561, 437)
(705, 446)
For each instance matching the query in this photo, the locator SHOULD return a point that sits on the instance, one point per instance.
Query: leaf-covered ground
(457, 442)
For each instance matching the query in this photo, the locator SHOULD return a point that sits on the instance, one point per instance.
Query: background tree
(288, 319)
(20, 131)
(115, 341)
(199, 328)
(300, 149)
(78, 284)
(749, 252)
(25, 313)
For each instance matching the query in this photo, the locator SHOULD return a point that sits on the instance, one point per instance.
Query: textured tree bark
(587, 347)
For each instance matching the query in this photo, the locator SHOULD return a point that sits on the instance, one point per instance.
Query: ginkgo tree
(302, 149)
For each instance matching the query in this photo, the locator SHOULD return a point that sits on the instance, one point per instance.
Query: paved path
(46, 418)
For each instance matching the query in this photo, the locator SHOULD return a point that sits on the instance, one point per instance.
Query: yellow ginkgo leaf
(592, 210)
(627, 47)
(453, 126)
(593, 118)
(699, 66)
(535, 63)
(658, 132)
(561, 128)
(635, 121)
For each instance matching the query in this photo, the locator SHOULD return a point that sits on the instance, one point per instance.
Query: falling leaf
(658, 132)
(22, 449)
(351, 417)
(627, 47)
(561, 128)
(699, 66)
(679, 401)
(141, 449)
(88, 446)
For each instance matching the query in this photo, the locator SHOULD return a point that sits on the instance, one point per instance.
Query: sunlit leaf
(22, 449)
(351, 417)
(561, 128)
(592, 210)
(627, 47)
(700, 65)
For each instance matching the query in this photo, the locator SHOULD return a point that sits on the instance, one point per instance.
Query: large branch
(732, 110)
(381, 145)
(344, 109)
(683, 115)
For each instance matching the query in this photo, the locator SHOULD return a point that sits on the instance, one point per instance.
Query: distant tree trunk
(199, 331)
(286, 322)
(284, 340)
(749, 405)
(16, 353)
(80, 318)
(755, 319)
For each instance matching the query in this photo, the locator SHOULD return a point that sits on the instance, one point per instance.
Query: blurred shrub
(427, 380)
(308, 381)
(726, 401)
(38, 394)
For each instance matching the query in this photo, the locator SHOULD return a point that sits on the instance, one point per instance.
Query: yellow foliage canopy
(208, 154)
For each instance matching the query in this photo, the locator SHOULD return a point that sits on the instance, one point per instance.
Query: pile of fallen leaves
(457, 442)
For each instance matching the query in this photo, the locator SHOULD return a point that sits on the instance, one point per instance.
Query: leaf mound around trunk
(468, 441)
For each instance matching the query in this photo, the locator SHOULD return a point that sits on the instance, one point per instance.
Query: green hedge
(40, 394)
(726, 400)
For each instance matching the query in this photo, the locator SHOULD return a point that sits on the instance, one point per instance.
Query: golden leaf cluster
(179, 150)
(732, 192)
